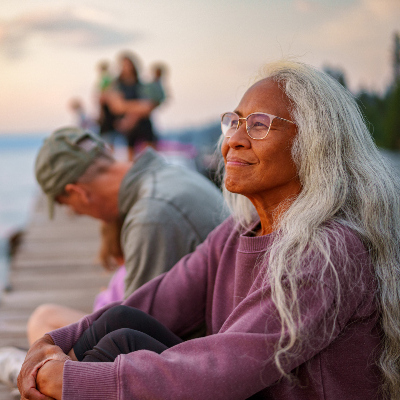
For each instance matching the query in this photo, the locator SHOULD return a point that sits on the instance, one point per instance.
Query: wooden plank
(55, 263)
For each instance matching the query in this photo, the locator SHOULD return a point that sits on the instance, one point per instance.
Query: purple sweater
(220, 285)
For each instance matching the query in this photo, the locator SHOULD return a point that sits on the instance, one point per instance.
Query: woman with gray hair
(298, 291)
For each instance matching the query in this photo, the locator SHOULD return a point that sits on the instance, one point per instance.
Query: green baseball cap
(62, 160)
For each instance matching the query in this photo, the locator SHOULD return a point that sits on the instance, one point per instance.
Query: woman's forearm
(118, 105)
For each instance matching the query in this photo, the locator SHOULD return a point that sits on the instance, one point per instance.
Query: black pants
(122, 330)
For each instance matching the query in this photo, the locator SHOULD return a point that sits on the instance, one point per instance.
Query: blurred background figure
(151, 95)
(105, 76)
(106, 118)
(128, 85)
(82, 119)
(154, 90)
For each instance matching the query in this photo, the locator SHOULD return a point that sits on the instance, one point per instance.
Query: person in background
(152, 94)
(154, 90)
(299, 290)
(153, 204)
(106, 118)
(128, 86)
(83, 120)
(105, 76)
(165, 210)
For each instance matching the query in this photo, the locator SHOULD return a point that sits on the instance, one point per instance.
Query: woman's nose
(240, 138)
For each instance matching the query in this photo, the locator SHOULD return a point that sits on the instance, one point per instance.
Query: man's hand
(42, 350)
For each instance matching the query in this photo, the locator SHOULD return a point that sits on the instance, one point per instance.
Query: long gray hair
(344, 179)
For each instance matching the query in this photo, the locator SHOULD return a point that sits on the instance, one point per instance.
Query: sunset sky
(49, 50)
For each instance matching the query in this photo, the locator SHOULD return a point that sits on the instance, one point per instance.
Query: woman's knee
(122, 315)
(120, 341)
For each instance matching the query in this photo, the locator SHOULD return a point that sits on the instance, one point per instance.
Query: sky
(49, 51)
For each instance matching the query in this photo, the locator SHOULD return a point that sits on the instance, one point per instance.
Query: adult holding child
(299, 291)
(128, 101)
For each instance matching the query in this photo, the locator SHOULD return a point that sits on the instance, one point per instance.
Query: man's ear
(74, 190)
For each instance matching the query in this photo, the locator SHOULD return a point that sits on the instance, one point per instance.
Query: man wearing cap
(167, 210)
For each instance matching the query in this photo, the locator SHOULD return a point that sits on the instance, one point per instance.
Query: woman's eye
(259, 125)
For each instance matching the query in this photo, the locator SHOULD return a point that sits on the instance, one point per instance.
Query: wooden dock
(55, 263)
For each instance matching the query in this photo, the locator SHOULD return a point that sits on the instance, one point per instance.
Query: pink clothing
(221, 285)
(114, 292)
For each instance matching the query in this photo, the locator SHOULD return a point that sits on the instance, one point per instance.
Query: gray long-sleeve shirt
(167, 211)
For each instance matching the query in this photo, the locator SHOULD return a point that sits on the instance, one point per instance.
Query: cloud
(78, 27)
(364, 22)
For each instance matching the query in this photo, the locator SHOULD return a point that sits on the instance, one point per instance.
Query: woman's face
(262, 170)
(127, 68)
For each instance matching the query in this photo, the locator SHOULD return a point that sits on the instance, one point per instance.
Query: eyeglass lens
(257, 124)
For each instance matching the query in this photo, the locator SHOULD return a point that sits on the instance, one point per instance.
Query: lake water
(17, 188)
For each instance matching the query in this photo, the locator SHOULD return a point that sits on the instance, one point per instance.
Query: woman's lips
(237, 162)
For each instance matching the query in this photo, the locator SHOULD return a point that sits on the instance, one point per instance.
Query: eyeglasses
(257, 124)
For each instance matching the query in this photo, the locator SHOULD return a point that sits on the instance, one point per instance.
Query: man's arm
(38, 355)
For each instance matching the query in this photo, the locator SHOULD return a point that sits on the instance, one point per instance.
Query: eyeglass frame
(272, 117)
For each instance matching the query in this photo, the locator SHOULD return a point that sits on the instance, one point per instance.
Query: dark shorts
(142, 132)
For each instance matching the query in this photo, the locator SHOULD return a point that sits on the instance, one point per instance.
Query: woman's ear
(76, 191)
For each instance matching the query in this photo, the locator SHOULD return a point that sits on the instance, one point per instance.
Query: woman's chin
(237, 189)
(232, 187)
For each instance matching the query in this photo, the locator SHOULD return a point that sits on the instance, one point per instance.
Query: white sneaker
(11, 360)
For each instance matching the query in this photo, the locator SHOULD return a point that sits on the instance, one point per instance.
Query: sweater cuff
(90, 381)
(67, 336)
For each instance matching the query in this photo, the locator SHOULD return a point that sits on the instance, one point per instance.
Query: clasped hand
(41, 374)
